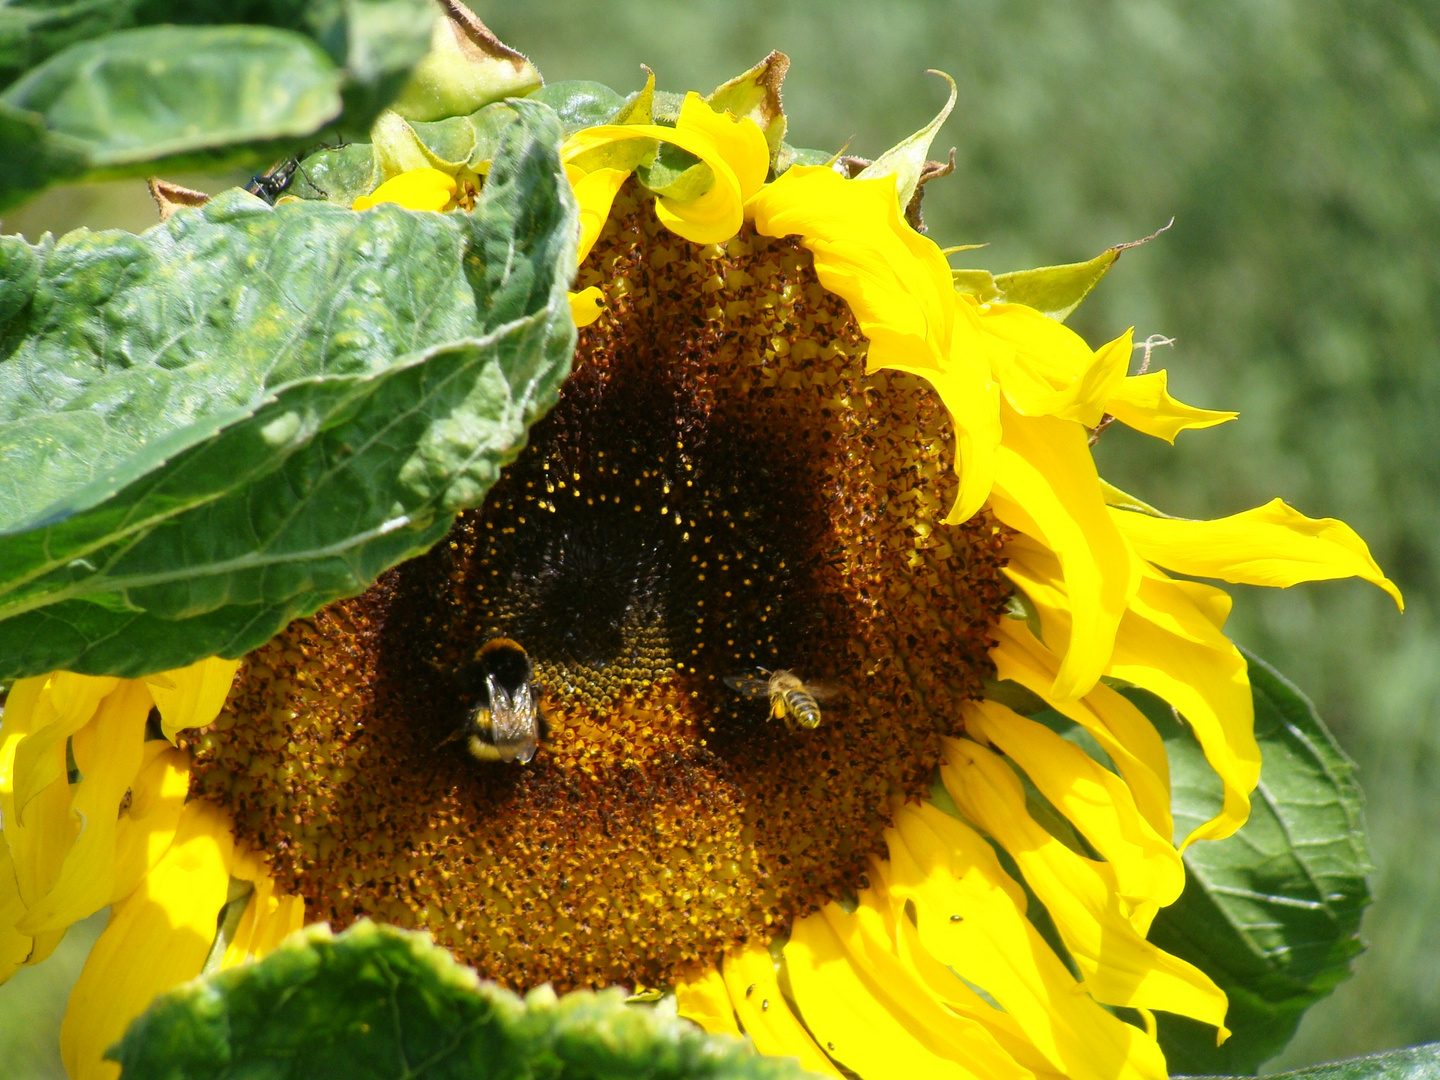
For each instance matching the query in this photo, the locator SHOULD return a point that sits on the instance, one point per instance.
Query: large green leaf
(1411, 1063)
(381, 1003)
(249, 411)
(118, 90)
(1272, 913)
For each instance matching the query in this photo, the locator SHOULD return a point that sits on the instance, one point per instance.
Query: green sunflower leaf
(125, 88)
(382, 1003)
(249, 411)
(1411, 1063)
(1272, 914)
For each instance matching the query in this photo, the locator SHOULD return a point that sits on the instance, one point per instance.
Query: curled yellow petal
(897, 283)
(1143, 403)
(1046, 487)
(763, 1012)
(1272, 545)
(1098, 803)
(873, 1018)
(14, 946)
(156, 938)
(586, 305)
(1048, 370)
(734, 149)
(108, 754)
(192, 696)
(703, 999)
(595, 192)
(1083, 896)
(968, 917)
(63, 708)
(147, 826)
(1168, 644)
(416, 189)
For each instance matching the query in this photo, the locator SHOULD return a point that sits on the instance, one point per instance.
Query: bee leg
(454, 736)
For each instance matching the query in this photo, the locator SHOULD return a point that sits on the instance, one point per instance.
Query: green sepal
(1272, 914)
(1055, 291)
(381, 1002)
(676, 174)
(906, 159)
(250, 411)
(639, 107)
(111, 96)
(466, 68)
(756, 94)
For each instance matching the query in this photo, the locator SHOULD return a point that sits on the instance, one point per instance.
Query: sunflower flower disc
(720, 491)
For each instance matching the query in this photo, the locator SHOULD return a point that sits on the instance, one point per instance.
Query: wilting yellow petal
(1273, 545)
(14, 946)
(749, 975)
(1122, 730)
(1082, 896)
(967, 917)
(1048, 370)
(194, 694)
(147, 826)
(703, 999)
(595, 192)
(156, 938)
(897, 284)
(735, 150)
(586, 305)
(1168, 645)
(1143, 403)
(64, 707)
(107, 753)
(38, 845)
(1046, 487)
(1097, 802)
(416, 189)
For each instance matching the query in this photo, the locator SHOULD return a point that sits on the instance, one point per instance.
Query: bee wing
(514, 722)
(825, 691)
(748, 686)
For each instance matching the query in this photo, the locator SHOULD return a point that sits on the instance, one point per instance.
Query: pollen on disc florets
(720, 490)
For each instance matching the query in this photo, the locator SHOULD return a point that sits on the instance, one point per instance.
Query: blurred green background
(1297, 145)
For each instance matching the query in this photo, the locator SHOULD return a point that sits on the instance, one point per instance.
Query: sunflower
(791, 447)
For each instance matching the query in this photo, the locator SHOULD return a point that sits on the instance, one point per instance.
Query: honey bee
(504, 721)
(791, 699)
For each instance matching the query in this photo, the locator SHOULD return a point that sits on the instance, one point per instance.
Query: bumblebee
(791, 699)
(504, 721)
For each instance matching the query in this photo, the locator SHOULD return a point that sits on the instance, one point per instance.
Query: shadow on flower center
(721, 491)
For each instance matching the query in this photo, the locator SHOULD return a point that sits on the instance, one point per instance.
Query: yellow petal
(873, 1019)
(968, 918)
(417, 189)
(763, 1012)
(108, 753)
(14, 946)
(897, 284)
(735, 150)
(65, 706)
(196, 694)
(1048, 370)
(147, 826)
(1096, 801)
(586, 305)
(156, 939)
(1143, 403)
(1082, 896)
(595, 192)
(1272, 545)
(1168, 645)
(702, 998)
(1046, 487)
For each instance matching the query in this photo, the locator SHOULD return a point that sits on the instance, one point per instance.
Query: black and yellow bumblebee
(503, 717)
